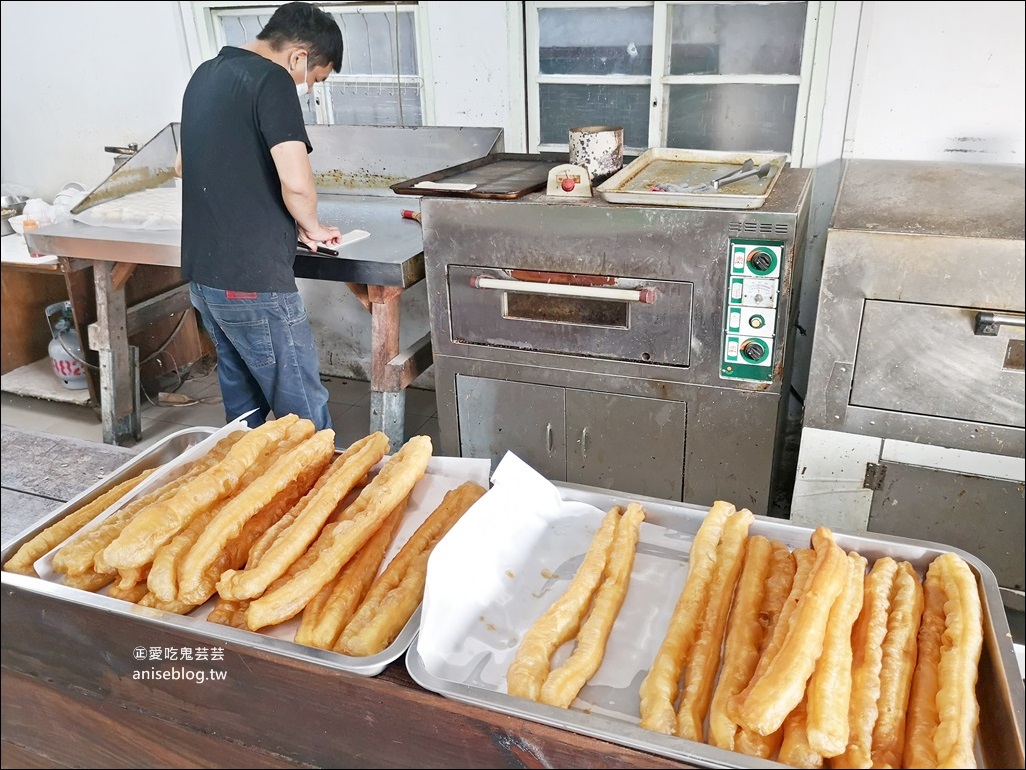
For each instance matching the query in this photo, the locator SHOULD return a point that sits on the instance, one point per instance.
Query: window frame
(204, 40)
(814, 44)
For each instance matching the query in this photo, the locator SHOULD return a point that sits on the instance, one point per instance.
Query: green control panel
(749, 319)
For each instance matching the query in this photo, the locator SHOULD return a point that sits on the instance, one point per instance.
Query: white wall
(927, 81)
(82, 76)
(471, 69)
(940, 81)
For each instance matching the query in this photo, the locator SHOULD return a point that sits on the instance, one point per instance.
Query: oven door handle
(987, 324)
(645, 295)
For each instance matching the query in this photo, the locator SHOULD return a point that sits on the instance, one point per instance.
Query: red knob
(568, 184)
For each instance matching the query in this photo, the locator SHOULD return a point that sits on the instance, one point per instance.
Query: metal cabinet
(627, 443)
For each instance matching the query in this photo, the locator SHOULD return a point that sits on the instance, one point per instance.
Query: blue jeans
(266, 354)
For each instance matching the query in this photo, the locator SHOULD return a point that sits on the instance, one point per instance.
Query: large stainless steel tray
(473, 669)
(664, 165)
(275, 639)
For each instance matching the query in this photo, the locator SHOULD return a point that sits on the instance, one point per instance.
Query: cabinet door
(626, 443)
(496, 416)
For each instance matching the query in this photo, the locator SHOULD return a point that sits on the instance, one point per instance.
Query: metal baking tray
(500, 175)
(473, 668)
(274, 639)
(664, 165)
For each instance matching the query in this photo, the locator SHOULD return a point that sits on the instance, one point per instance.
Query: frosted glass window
(380, 63)
(728, 76)
(731, 39)
(565, 106)
(595, 41)
(705, 117)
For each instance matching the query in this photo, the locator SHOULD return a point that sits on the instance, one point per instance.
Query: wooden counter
(72, 693)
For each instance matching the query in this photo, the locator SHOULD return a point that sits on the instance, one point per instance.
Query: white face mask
(303, 89)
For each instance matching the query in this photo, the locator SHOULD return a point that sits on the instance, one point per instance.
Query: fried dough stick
(961, 645)
(88, 581)
(704, 662)
(867, 639)
(232, 612)
(921, 716)
(128, 592)
(237, 550)
(314, 452)
(829, 689)
(898, 664)
(564, 683)
(358, 523)
(158, 523)
(25, 557)
(333, 607)
(661, 686)
(562, 620)
(82, 553)
(794, 748)
(308, 519)
(163, 577)
(748, 741)
(771, 696)
(767, 573)
(228, 613)
(261, 546)
(396, 592)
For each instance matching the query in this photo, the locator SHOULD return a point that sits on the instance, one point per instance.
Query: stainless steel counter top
(392, 256)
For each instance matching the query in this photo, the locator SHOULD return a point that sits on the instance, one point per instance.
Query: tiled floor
(349, 403)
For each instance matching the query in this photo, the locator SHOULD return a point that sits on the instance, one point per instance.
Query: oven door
(624, 319)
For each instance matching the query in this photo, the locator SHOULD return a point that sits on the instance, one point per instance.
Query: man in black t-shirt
(248, 196)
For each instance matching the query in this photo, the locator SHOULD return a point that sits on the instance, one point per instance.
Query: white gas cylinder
(65, 349)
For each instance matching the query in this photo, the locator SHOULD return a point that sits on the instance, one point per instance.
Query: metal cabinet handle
(987, 324)
(584, 443)
(548, 437)
(645, 295)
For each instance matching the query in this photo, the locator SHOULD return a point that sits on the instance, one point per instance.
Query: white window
(381, 80)
(697, 75)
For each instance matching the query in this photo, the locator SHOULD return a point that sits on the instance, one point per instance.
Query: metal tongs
(747, 170)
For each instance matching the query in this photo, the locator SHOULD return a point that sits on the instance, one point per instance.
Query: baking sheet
(500, 175)
(515, 552)
(664, 165)
(443, 474)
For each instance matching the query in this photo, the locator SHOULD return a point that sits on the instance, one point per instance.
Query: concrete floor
(348, 401)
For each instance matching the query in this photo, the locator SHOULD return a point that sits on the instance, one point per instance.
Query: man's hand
(323, 234)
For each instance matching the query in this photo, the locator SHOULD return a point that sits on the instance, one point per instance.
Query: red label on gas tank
(67, 368)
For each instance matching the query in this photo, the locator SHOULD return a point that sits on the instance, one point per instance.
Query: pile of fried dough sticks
(809, 657)
(270, 523)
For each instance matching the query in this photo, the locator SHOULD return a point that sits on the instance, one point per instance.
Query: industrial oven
(913, 419)
(638, 348)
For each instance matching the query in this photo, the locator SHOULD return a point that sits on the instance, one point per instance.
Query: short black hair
(308, 26)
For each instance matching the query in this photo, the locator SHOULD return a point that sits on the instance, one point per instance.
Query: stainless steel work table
(378, 269)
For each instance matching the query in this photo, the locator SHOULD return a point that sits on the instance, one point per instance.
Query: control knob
(753, 350)
(761, 261)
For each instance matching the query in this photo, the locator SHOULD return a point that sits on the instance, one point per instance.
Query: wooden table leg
(388, 399)
(119, 362)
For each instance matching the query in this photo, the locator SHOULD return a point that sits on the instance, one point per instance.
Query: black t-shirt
(237, 233)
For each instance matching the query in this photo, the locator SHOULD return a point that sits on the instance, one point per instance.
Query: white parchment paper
(510, 557)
